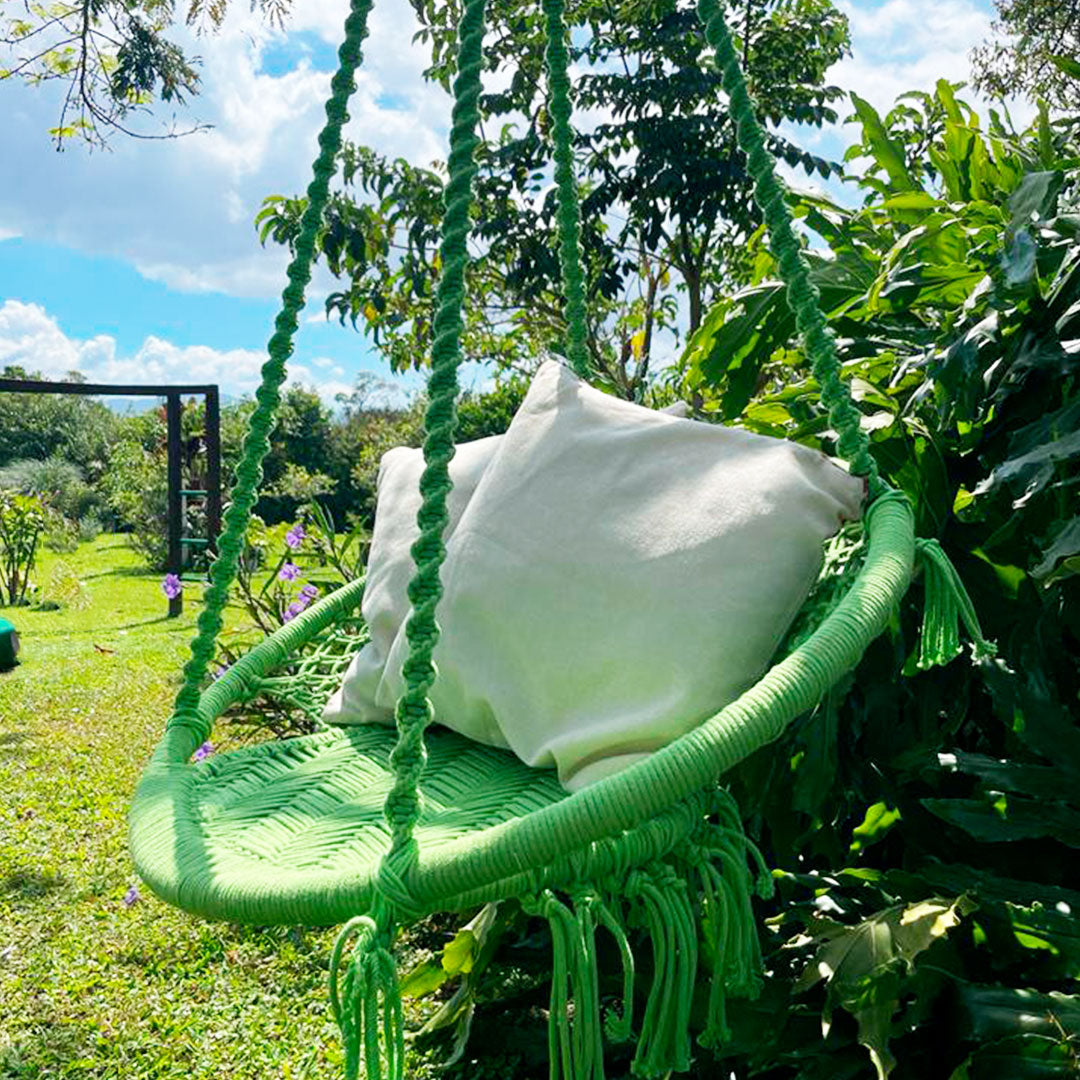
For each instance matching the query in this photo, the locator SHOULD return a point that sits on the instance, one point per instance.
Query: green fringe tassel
(371, 974)
(663, 899)
(664, 1043)
(946, 606)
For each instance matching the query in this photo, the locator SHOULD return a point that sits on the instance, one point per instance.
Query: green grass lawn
(96, 988)
(89, 986)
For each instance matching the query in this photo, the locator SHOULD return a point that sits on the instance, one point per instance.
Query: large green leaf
(1061, 552)
(1040, 781)
(1067, 65)
(1028, 708)
(1009, 820)
(1036, 198)
(862, 965)
(1023, 1057)
(996, 1012)
(886, 152)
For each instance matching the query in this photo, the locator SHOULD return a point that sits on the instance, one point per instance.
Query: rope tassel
(575, 1051)
(371, 974)
(947, 605)
(664, 1044)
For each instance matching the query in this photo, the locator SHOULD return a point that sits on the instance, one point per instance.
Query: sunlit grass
(90, 987)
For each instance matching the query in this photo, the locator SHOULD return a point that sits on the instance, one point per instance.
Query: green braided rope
(414, 710)
(257, 442)
(803, 295)
(569, 216)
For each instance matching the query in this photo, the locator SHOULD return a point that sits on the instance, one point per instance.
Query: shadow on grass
(123, 571)
(25, 884)
(11, 742)
(179, 626)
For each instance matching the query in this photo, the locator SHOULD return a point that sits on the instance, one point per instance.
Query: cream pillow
(613, 577)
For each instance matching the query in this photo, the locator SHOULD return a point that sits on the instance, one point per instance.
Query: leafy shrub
(90, 528)
(23, 519)
(62, 484)
(137, 494)
(285, 568)
(949, 795)
(65, 426)
(64, 589)
(61, 533)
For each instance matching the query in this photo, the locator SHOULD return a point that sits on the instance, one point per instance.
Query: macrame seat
(377, 828)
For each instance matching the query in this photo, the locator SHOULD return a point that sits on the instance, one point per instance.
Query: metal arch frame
(172, 394)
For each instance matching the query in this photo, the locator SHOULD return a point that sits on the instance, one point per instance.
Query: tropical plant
(921, 826)
(23, 518)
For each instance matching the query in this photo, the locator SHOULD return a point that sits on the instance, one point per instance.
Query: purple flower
(131, 897)
(172, 586)
(307, 594)
(289, 571)
(219, 671)
(295, 536)
(204, 751)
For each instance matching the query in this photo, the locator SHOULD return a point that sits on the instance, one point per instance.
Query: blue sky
(141, 263)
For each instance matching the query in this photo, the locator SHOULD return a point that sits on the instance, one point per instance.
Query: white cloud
(33, 339)
(906, 45)
(181, 211)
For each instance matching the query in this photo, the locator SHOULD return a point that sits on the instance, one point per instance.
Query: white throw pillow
(613, 577)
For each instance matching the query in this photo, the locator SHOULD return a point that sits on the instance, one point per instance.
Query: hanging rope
(802, 293)
(257, 442)
(569, 215)
(414, 709)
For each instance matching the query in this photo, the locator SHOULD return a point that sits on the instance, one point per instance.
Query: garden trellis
(177, 493)
(377, 828)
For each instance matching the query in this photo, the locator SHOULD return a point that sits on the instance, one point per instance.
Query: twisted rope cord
(280, 347)
(803, 296)
(414, 710)
(569, 214)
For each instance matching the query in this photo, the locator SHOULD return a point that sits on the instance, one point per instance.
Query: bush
(62, 484)
(285, 568)
(63, 589)
(23, 518)
(90, 528)
(61, 533)
(955, 296)
(137, 494)
(67, 426)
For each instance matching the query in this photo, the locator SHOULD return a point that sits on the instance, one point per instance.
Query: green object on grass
(377, 828)
(9, 645)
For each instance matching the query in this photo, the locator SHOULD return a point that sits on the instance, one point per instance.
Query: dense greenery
(955, 293)
(920, 822)
(96, 469)
(22, 521)
(665, 198)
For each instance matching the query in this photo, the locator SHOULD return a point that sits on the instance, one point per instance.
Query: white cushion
(613, 577)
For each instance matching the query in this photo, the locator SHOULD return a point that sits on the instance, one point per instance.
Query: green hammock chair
(378, 829)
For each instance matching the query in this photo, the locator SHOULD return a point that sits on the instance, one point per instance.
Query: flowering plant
(285, 569)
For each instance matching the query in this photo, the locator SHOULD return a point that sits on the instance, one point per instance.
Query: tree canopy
(666, 202)
(114, 57)
(1035, 51)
